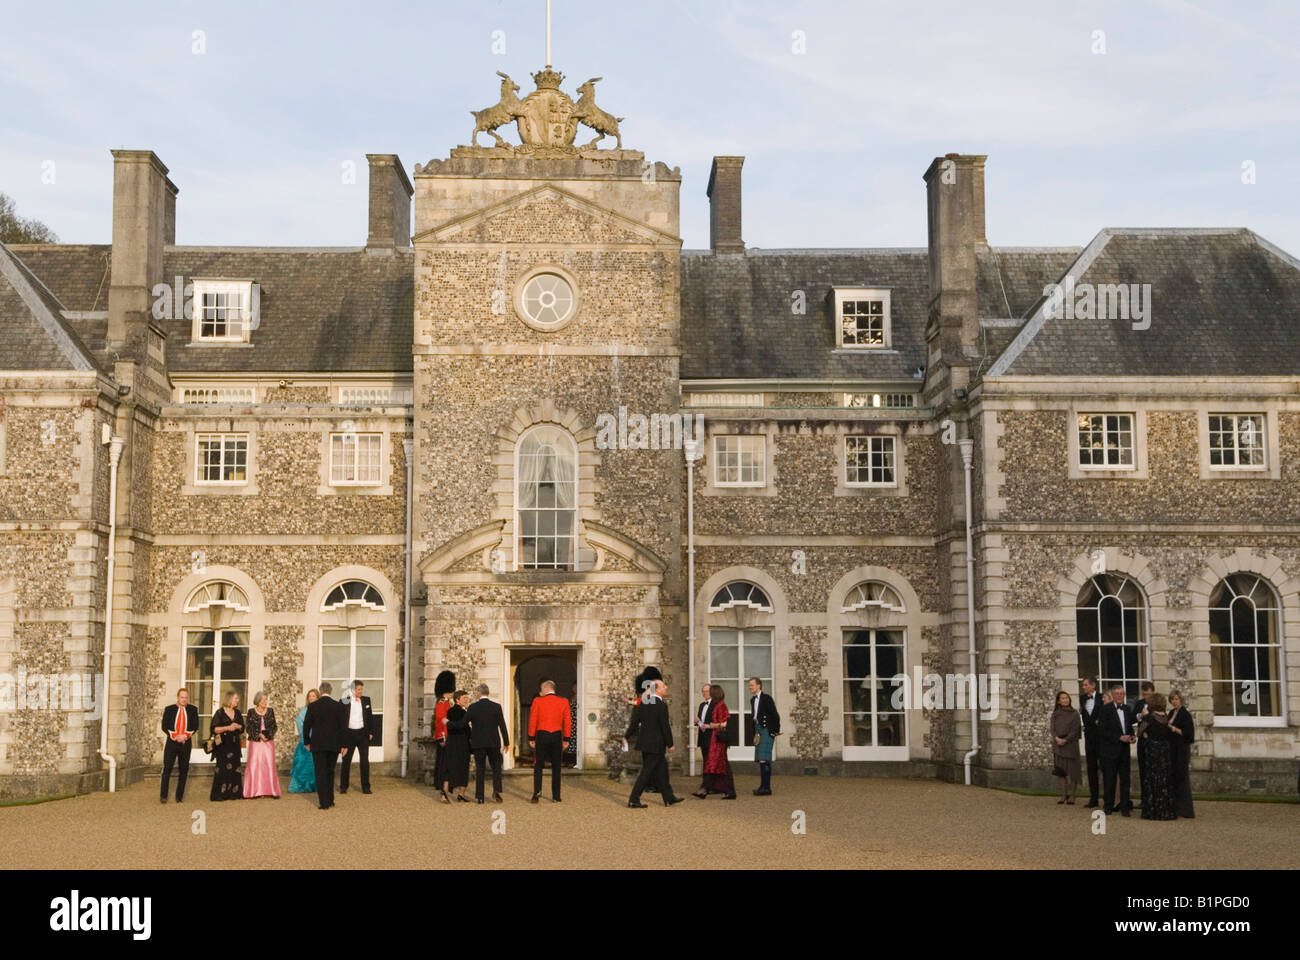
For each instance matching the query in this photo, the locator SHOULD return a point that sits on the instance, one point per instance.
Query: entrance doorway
(528, 668)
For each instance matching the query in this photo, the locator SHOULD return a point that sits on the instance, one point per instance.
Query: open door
(529, 668)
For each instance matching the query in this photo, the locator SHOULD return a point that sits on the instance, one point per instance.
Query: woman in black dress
(228, 778)
(457, 748)
(1158, 780)
(1180, 722)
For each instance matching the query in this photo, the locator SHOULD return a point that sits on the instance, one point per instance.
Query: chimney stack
(724, 205)
(390, 203)
(955, 200)
(144, 220)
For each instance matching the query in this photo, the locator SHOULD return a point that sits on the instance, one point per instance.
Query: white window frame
(1236, 448)
(1129, 467)
(243, 289)
(376, 752)
(1278, 719)
(224, 438)
(760, 440)
(860, 753)
(895, 451)
(846, 294)
(743, 750)
(574, 538)
(357, 481)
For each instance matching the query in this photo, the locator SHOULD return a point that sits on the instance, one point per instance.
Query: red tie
(180, 723)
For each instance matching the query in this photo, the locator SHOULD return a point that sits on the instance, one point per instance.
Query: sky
(1138, 113)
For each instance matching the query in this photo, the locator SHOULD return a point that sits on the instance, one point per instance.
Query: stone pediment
(546, 214)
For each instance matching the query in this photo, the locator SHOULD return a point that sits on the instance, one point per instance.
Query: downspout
(691, 447)
(114, 456)
(407, 448)
(967, 448)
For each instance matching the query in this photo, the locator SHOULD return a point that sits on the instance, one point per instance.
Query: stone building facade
(522, 433)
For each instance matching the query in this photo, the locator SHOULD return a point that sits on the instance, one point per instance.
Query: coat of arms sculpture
(547, 119)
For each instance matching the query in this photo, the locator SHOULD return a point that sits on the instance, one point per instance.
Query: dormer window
(862, 317)
(224, 311)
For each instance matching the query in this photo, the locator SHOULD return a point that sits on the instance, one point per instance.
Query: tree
(14, 229)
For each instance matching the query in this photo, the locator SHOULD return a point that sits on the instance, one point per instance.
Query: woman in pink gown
(260, 776)
(717, 771)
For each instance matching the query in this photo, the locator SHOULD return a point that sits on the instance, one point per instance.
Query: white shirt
(757, 697)
(704, 710)
(355, 717)
(1091, 702)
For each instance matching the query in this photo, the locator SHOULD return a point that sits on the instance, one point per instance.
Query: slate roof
(33, 334)
(737, 321)
(322, 309)
(1223, 303)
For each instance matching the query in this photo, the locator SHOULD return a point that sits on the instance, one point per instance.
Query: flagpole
(548, 34)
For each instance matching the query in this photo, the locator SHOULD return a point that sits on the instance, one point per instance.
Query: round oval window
(548, 300)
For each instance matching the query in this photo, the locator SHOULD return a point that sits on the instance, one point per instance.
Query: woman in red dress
(717, 771)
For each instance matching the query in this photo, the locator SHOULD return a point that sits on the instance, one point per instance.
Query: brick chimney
(955, 200)
(390, 203)
(724, 205)
(144, 220)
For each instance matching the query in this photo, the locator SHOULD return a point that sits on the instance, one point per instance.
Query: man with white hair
(654, 738)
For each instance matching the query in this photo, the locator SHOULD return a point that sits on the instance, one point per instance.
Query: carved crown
(548, 79)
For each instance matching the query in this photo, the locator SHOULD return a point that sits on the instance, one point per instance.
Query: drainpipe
(967, 448)
(691, 447)
(114, 456)
(407, 447)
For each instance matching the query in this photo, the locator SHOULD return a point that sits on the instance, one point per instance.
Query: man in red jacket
(549, 728)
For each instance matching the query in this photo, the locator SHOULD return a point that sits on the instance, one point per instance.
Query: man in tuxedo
(1090, 713)
(180, 721)
(357, 734)
(1140, 710)
(703, 715)
(322, 734)
(550, 727)
(763, 709)
(488, 739)
(1115, 731)
(654, 738)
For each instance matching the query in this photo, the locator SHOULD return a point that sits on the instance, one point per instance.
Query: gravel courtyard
(851, 823)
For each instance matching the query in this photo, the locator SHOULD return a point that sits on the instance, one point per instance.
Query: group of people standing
(1163, 731)
(462, 729)
(327, 730)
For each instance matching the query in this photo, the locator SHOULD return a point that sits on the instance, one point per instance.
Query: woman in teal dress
(303, 777)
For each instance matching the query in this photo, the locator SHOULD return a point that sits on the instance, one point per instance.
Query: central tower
(547, 297)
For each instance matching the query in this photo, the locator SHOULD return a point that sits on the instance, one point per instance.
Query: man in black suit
(322, 734)
(488, 739)
(1115, 730)
(654, 738)
(1090, 713)
(767, 724)
(358, 731)
(180, 721)
(703, 715)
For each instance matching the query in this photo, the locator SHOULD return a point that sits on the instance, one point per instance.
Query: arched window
(872, 594)
(216, 649)
(217, 593)
(354, 593)
(546, 500)
(1111, 631)
(1245, 647)
(740, 593)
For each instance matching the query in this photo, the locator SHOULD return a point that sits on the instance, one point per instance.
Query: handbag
(211, 743)
(1058, 771)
